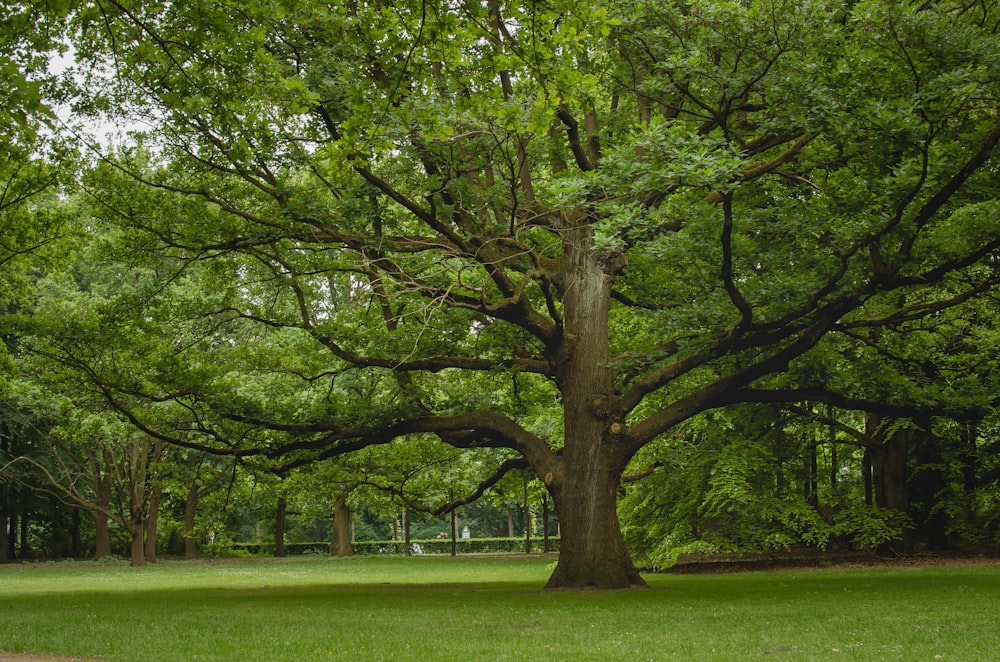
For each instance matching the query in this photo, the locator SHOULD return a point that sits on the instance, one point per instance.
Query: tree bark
(12, 536)
(190, 511)
(527, 521)
(592, 549)
(584, 484)
(545, 524)
(24, 552)
(927, 483)
(152, 518)
(811, 487)
(866, 475)
(405, 525)
(454, 533)
(341, 543)
(102, 532)
(4, 523)
(890, 471)
(137, 529)
(890, 475)
(279, 528)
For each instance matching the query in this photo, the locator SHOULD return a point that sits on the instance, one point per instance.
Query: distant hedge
(433, 546)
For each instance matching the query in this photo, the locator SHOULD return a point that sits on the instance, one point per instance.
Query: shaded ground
(819, 560)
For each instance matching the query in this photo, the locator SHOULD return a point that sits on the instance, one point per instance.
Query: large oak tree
(440, 216)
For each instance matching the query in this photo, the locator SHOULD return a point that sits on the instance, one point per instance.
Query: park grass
(492, 608)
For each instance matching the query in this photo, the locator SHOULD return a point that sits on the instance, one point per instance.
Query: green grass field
(442, 608)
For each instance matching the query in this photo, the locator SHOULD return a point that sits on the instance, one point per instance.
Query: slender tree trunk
(24, 552)
(811, 488)
(454, 533)
(12, 536)
(102, 532)
(6, 508)
(152, 518)
(138, 473)
(190, 511)
(510, 521)
(545, 524)
(527, 521)
(866, 475)
(341, 543)
(4, 524)
(834, 467)
(970, 468)
(279, 528)
(405, 519)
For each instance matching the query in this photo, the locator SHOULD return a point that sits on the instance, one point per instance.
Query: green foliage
(741, 483)
(870, 527)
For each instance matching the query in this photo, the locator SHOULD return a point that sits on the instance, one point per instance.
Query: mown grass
(490, 609)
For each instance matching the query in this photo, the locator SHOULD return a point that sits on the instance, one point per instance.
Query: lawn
(442, 608)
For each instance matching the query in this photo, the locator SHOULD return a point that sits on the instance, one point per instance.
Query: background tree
(642, 211)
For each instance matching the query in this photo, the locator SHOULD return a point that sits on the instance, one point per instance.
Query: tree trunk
(454, 533)
(279, 528)
(102, 533)
(592, 549)
(190, 510)
(341, 543)
(585, 480)
(6, 507)
(866, 474)
(510, 521)
(927, 484)
(4, 524)
(970, 468)
(137, 529)
(405, 519)
(545, 524)
(890, 475)
(12, 536)
(527, 520)
(890, 470)
(811, 487)
(24, 552)
(152, 518)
